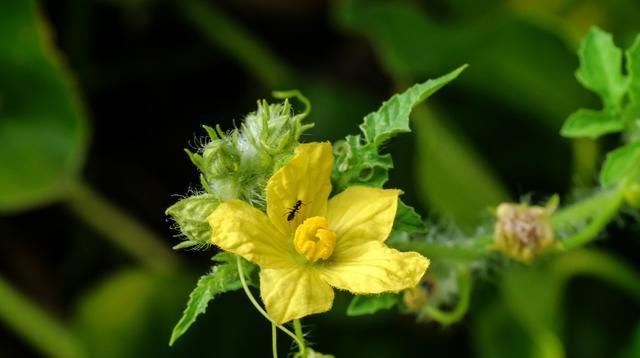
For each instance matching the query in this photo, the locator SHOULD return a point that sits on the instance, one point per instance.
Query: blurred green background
(98, 99)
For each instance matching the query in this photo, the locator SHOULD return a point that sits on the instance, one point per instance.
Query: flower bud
(417, 297)
(523, 232)
(237, 164)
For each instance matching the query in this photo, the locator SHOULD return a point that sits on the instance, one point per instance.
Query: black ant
(292, 212)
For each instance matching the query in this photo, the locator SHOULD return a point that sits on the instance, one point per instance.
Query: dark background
(150, 77)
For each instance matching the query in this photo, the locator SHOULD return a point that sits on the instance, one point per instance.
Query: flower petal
(374, 268)
(294, 293)
(361, 214)
(305, 178)
(246, 231)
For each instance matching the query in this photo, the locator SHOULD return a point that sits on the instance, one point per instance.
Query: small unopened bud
(417, 297)
(523, 232)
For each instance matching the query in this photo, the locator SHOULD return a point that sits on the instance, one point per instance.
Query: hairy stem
(585, 162)
(274, 340)
(33, 324)
(297, 326)
(119, 228)
(247, 291)
(597, 211)
(463, 250)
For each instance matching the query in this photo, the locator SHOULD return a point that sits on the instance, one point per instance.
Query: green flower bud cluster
(237, 164)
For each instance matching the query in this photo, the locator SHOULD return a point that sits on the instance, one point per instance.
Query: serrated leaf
(191, 216)
(633, 70)
(591, 124)
(393, 116)
(358, 160)
(222, 278)
(370, 304)
(601, 67)
(43, 129)
(620, 163)
(359, 164)
(411, 42)
(408, 220)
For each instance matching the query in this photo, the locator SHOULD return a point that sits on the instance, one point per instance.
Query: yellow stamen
(314, 240)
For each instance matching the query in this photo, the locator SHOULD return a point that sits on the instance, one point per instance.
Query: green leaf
(620, 163)
(601, 67)
(364, 305)
(128, 308)
(393, 117)
(633, 70)
(408, 220)
(359, 163)
(43, 130)
(411, 43)
(358, 160)
(191, 216)
(591, 124)
(224, 277)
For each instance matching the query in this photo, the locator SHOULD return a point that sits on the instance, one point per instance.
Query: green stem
(299, 342)
(600, 265)
(229, 36)
(274, 340)
(585, 162)
(598, 210)
(466, 250)
(297, 326)
(42, 331)
(462, 306)
(119, 228)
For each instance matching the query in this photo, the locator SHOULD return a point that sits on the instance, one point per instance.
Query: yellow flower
(306, 244)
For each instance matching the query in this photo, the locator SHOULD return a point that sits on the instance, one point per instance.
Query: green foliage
(410, 44)
(600, 67)
(191, 216)
(620, 164)
(370, 304)
(591, 124)
(504, 53)
(223, 277)
(130, 314)
(237, 164)
(601, 71)
(43, 131)
(408, 220)
(633, 70)
(358, 161)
